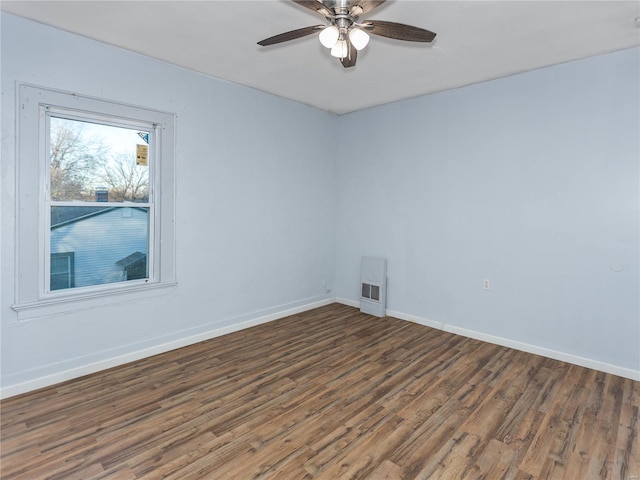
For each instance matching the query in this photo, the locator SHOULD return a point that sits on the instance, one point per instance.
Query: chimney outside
(102, 194)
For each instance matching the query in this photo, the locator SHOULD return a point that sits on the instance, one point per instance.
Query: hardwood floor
(329, 394)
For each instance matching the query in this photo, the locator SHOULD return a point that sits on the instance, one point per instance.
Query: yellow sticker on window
(142, 155)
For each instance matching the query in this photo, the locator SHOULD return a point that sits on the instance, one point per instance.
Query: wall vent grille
(373, 284)
(372, 292)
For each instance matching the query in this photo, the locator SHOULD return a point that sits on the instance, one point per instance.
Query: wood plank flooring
(329, 394)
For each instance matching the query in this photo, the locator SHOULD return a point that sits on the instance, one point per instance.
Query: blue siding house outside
(108, 245)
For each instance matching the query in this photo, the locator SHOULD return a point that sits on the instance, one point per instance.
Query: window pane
(98, 163)
(60, 281)
(61, 270)
(59, 264)
(109, 244)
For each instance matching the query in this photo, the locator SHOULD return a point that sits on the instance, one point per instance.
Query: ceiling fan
(345, 35)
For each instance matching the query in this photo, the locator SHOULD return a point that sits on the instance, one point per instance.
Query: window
(96, 181)
(61, 270)
(96, 171)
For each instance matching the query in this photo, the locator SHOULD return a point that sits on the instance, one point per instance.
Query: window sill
(84, 301)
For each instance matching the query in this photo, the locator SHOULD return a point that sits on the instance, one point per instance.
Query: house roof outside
(64, 215)
(61, 216)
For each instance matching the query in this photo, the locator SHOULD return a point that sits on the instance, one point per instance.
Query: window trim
(31, 298)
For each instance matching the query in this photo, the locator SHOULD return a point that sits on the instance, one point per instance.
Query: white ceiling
(477, 41)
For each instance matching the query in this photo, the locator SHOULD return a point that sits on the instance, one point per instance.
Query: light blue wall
(529, 181)
(255, 202)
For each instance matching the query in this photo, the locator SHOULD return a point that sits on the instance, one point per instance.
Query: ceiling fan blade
(398, 31)
(316, 6)
(352, 56)
(362, 7)
(292, 35)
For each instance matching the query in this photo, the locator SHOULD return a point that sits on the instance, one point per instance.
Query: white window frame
(48, 111)
(32, 295)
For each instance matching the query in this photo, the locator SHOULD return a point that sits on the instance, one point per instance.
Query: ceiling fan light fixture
(329, 36)
(359, 38)
(340, 49)
(343, 35)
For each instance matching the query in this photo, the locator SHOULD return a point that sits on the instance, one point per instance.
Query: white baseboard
(524, 347)
(69, 374)
(346, 301)
(515, 344)
(58, 377)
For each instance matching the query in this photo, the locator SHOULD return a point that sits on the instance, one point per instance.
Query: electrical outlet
(486, 284)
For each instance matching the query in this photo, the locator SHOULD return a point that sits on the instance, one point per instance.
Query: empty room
(303, 239)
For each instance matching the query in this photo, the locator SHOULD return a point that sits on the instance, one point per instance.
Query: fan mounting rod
(339, 6)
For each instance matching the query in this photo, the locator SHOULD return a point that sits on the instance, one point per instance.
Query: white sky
(116, 139)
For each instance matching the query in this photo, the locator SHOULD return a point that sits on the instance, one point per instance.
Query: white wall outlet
(486, 284)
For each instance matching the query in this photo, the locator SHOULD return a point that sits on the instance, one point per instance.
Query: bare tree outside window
(126, 181)
(74, 160)
(92, 162)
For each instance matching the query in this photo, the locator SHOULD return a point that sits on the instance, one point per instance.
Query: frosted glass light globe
(329, 36)
(340, 49)
(359, 38)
